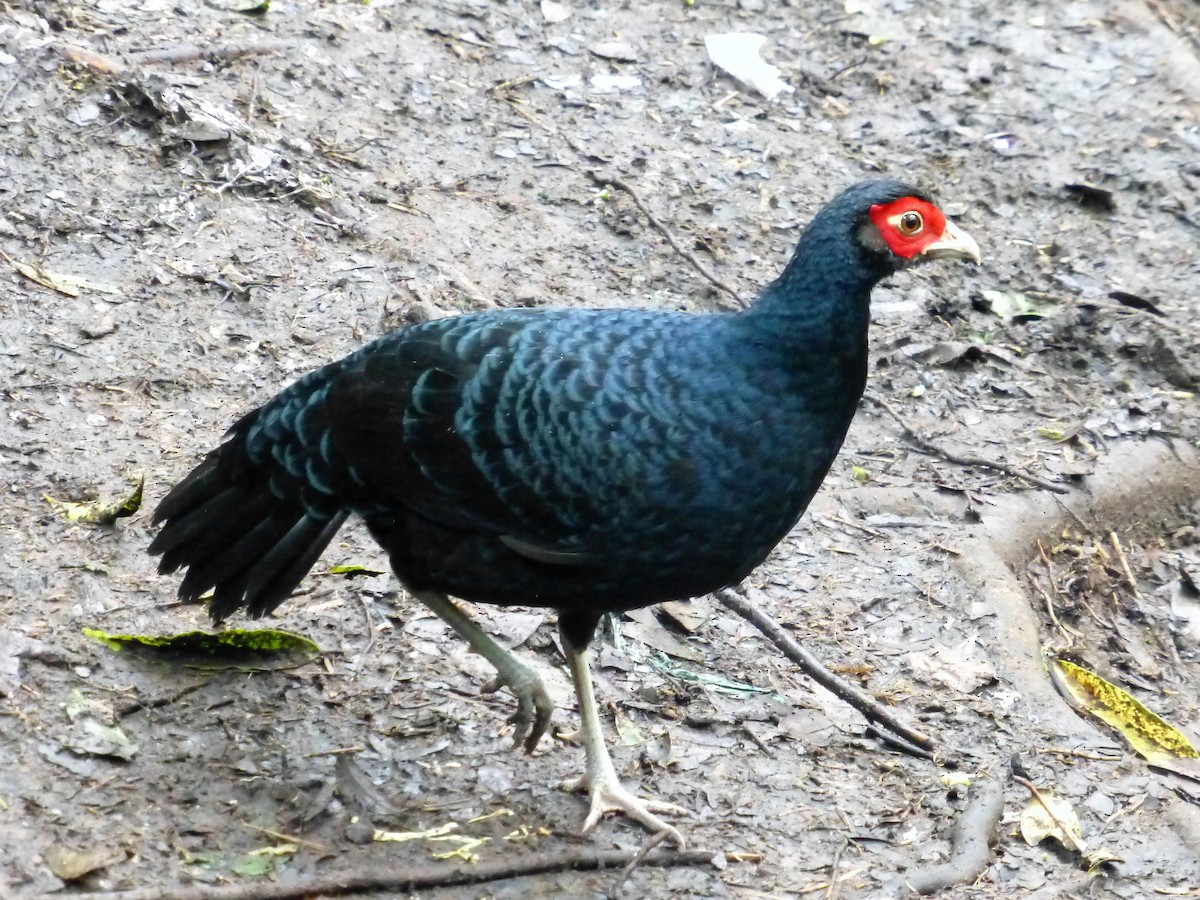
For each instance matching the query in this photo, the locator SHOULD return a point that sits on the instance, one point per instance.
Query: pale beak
(953, 244)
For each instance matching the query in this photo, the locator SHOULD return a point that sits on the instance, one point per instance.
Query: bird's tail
(240, 532)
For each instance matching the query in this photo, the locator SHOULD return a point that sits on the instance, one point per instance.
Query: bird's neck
(821, 300)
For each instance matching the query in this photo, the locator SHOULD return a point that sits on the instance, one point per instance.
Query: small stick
(1053, 617)
(1053, 588)
(194, 52)
(898, 743)
(824, 886)
(833, 871)
(925, 445)
(643, 852)
(1080, 754)
(603, 179)
(358, 664)
(17, 79)
(336, 751)
(1170, 22)
(1166, 324)
(290, 838)
(812, 667)
(158, 702)
(1116, 542)
(969, 844)
(107, 65)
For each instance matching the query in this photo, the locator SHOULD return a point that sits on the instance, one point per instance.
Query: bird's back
(561, 458)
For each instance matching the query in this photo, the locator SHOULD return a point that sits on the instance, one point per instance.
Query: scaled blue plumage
(585, 460)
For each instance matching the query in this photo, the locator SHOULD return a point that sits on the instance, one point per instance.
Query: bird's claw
(534, 706)
(608, 796)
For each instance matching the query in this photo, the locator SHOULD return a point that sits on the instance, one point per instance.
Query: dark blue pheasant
(588, 461)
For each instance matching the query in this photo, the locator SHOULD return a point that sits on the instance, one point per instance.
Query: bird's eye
(910, 223)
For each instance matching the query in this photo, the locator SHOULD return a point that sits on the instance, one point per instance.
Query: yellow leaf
(70, 864)
(1148, 734)
(277, 850)
(97, 513)
(400, 837)
(1098, 859)
(353, 570)
(465, 852)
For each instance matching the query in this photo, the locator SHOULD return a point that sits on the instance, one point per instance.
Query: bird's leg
(600, 777)
(534, 706)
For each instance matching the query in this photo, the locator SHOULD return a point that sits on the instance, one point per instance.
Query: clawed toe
(608, 796)
(534, 707)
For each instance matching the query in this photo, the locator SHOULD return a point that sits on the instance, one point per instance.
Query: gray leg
(600, 778)
(534, 706)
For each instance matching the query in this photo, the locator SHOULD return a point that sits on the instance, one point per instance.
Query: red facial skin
(888, 218)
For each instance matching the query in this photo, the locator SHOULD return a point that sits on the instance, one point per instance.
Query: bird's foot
(608, 795)
(534, 706)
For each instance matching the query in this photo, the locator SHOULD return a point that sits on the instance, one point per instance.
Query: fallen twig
(1113, 756)
(604, 178)
(1133, 585)
(643, 851)
(1047, 597)
(107, 65)
(868, 706)
(925, 445)
(288, 838)
(391, 878)
(158, 702)
(970, 842)
(831, 891)
(18, 78)
(365, 605)
(1136, 312)
(1169, 20)
(195, 52)
(897, 743)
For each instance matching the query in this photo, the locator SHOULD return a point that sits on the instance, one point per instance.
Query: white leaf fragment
(738, 55)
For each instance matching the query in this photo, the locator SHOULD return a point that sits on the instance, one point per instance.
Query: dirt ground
(199, 202)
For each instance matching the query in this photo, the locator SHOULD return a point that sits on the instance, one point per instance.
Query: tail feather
(238, 537)
(202, 483)
(276, 575)
(236, 551)
(191, 536)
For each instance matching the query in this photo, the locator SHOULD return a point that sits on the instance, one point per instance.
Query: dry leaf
(71, 865)
(97, 513)
(1048, 815)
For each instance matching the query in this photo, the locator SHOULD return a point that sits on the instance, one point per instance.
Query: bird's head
(901, 225)
(861, 236)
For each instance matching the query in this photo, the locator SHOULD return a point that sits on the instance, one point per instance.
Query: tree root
(868, 706)
(406, 880)
(970, 843)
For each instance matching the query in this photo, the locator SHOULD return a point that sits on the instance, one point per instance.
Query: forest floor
(199, 202)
